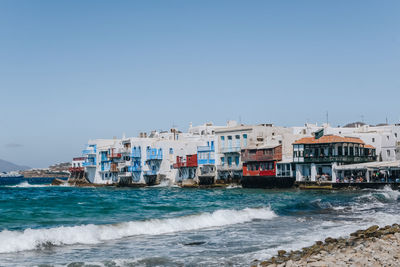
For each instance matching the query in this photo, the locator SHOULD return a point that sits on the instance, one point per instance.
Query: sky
(77, 70)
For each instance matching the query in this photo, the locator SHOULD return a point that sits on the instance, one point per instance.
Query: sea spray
(13, 241)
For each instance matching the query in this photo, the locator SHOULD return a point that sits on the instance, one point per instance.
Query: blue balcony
(89, 164)
(206, 161)
(154, 154)
(135, 168)
(90, 149)
(136, 153)
(205, 149)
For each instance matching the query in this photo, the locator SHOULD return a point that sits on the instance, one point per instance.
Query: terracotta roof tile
(329, 139)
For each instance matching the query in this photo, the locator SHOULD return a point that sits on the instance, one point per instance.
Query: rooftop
(326, 139)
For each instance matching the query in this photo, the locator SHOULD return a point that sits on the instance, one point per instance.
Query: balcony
(234, 149)
(89, 164)
(232, 167)
(206, 161)
(76, 169)
(152, 172)
(89, 151)
(260, 156)
(154, 154)
(205, 149)
(115, 156)
(189, 161)
(344, 159)
(136, 153)
(125, 174)
(135, 168)
(124, 150)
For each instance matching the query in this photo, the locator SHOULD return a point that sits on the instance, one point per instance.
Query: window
(222, 138)
(237, 160)
(388, 153)
(223, 160)
(373, 140)
(229, 161)
(244, 139)
(387, 137)
(171, 151)
(229, 137)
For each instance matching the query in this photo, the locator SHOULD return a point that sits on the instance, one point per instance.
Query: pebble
(371, 247)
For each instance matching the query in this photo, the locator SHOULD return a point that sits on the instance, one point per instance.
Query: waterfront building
(98, 161)
(384, 137)
(206, 163)
(187, 168)
(77, 171)
(147, 159)
(234, 138)
(317, 157)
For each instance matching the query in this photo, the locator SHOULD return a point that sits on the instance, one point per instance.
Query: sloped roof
(326, 139)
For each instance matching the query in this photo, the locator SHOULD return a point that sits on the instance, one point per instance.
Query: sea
(171, 226)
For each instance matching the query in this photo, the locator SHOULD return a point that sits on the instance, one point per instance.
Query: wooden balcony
(262, 154)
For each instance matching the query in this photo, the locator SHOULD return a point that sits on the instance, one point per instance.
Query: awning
(370, 165)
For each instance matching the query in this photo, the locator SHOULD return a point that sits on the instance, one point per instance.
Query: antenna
(327, 117)
(240, 119)
(362, 118)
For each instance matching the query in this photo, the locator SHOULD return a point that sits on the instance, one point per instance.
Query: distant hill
(6, 166)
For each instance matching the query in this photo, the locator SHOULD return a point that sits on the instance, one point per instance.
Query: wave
(25, 184)
(29, 239)
(231, 186)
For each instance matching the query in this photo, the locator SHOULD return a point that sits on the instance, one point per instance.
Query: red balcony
(264, 169)
(190, 161)
(262, 154)
(76, 169)
(115, 155)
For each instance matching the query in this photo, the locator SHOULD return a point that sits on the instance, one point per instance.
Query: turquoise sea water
(168, 226)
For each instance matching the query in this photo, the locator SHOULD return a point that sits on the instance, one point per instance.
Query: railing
(261, 157)
(154, 155)
(115, 155)
(206, 161)
(124, 150)
(89, 164)
(234, 149)
(88, 151)
(135, 168)
(150, 172)
(347, 159)
(136, 154)
(205, 149)
(125, 174)
(76, 169)
(232, 167)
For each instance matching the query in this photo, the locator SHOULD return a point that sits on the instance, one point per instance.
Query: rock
(281, 252)
(330, 240)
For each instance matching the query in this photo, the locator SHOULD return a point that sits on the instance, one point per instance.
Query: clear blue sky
(74, 70)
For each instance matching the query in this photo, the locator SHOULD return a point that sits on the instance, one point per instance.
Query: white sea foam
(231, 186)
(25, 184)
(29, 239)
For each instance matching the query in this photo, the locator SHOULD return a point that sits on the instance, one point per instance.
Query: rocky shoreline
(371, 247)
